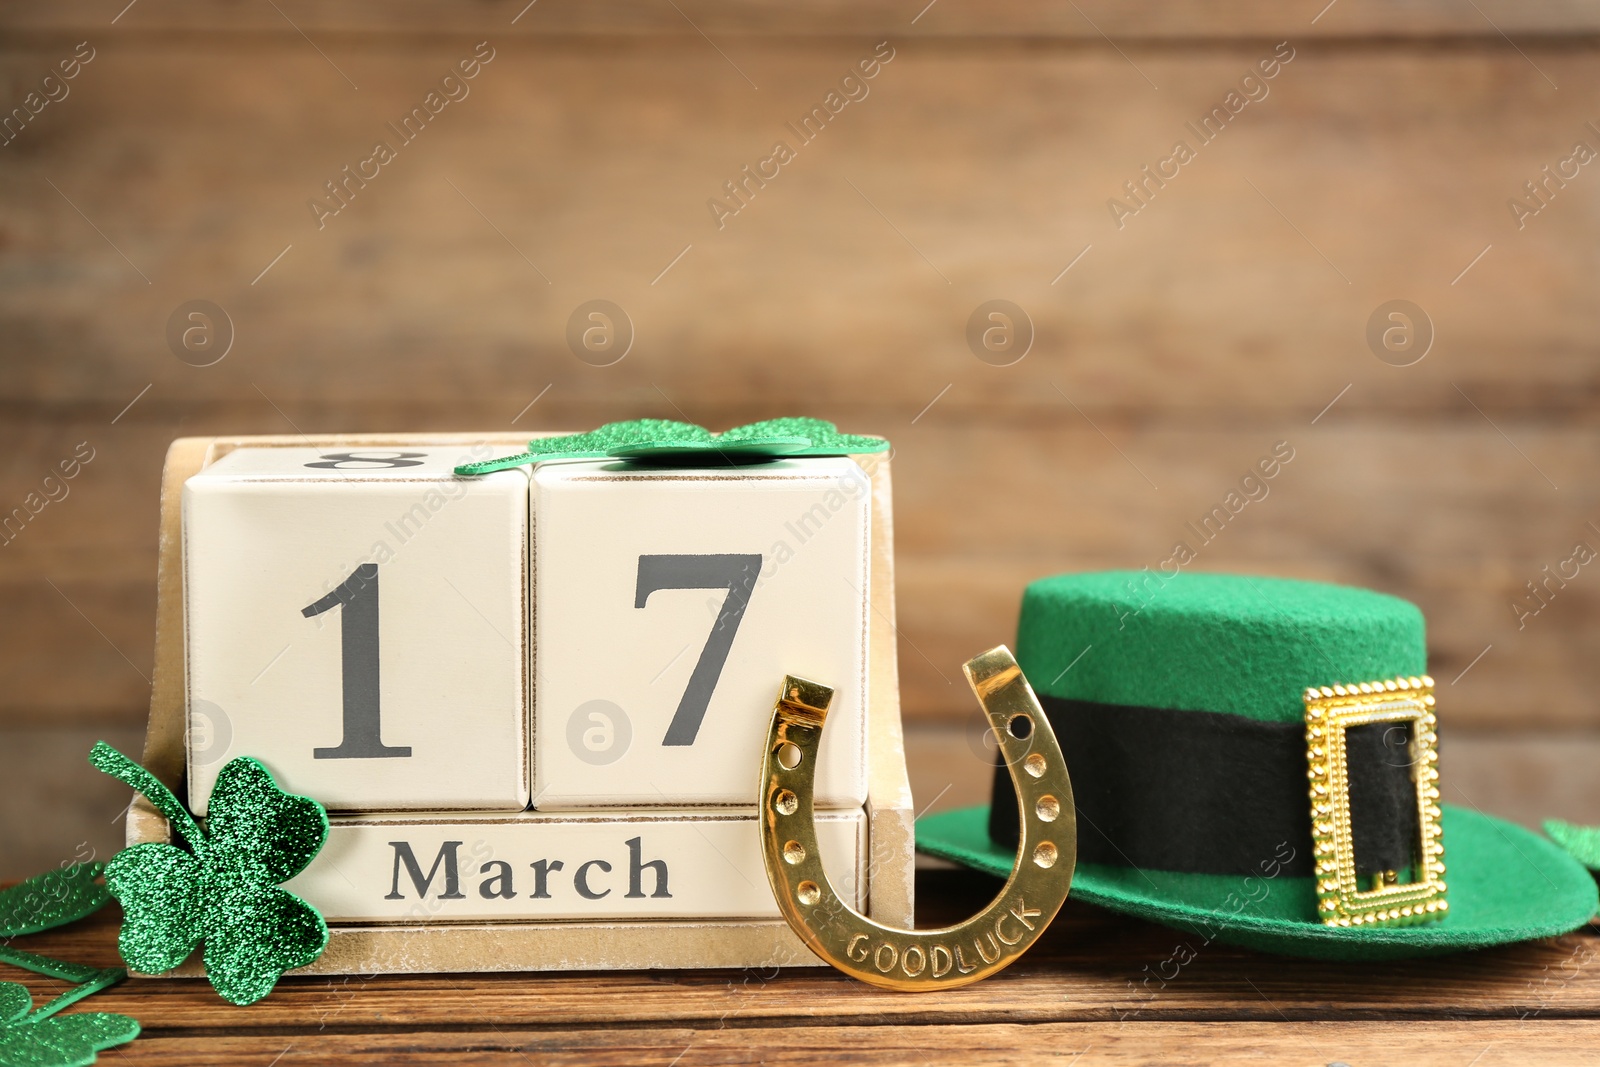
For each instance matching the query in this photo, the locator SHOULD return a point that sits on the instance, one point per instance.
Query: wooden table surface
(1079, 997)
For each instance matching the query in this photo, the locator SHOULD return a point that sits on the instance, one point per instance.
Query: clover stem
(489, 466)
(107, 759)
(28, 961)
(100, 979)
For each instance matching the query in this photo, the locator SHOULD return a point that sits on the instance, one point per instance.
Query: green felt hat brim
(1505, 884)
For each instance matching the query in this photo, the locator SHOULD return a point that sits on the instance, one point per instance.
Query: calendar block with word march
(534, 701)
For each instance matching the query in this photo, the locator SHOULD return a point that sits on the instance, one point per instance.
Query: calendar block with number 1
(357, 621)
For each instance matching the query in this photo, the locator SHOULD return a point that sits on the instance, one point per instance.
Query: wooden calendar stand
(385, 948)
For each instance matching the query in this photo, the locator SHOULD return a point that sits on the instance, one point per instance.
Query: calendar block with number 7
(667, 603)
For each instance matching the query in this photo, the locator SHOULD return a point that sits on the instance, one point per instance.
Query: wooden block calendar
(533, 702)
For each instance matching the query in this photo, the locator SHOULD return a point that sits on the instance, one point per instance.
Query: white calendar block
(660, 865)
(670, 604)
(357, 620)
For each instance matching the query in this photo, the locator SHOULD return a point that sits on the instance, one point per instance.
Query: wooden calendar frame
(388, 948)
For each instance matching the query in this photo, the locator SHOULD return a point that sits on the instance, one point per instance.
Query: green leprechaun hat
(1254, 761)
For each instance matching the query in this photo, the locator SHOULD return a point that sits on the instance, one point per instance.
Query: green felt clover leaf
(52, 899)
(1583, 842)
(668, 442)
(15, 1002)
(825, 438)
(597, 444)
(44, 1039)
(223, 889)
(64, 1040)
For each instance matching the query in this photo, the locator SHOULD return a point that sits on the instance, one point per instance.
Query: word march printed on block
(588, 865)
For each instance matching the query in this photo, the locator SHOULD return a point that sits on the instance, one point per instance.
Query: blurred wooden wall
(1170, 353)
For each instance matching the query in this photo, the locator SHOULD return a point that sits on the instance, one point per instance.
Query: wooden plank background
(1228, 314)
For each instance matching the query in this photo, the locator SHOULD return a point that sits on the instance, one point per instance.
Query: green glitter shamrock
(224, 890)
(52, 899)
(44, 1039)
(665, 441)
(1583, 842)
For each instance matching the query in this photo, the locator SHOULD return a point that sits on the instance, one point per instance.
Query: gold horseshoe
(921, 960)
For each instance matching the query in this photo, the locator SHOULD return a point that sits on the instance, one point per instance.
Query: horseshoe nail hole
(786, 802)
(807, 893)
(794, 852)
(1048, 808)
(1020, 727)
(789, 755)
(1045, 854)
(1034, 765)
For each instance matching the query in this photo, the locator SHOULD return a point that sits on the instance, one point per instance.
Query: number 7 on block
(735, 573)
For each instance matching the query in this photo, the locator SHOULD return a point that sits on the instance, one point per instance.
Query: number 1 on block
(358, 626)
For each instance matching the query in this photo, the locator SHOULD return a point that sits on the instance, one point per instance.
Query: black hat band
(1216, 793)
